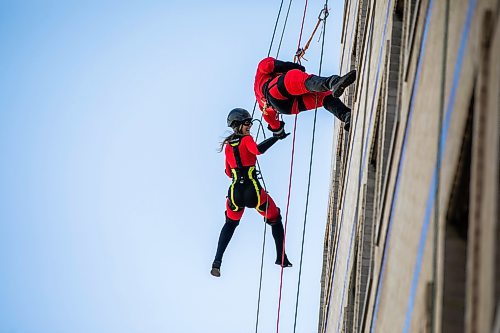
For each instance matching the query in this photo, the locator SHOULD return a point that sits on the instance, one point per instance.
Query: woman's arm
(261, 148)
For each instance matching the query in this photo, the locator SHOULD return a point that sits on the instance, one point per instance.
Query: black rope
(258, 165)
(309, 179)
(283, 31)
(277, 52)
(262, 257)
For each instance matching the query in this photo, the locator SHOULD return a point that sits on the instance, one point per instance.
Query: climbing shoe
(347, 124)
(216, 269)
(286, 264)
(343, 82)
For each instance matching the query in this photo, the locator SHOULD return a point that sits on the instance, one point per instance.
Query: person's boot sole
(215, 272)
(284, 266)
(346, 80)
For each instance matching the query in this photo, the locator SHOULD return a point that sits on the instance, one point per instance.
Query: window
(391, 103)
(456, 234)
(410, 23)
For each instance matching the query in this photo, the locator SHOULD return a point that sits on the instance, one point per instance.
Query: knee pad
(262, 207)
(274, 221)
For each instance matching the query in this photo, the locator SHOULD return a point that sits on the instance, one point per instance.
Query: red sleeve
(228, 170)
(266, 65)
(249, 143)
(264, 70)
(271, 117)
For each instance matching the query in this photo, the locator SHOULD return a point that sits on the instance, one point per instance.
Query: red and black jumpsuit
(245, 191)
(280, 87)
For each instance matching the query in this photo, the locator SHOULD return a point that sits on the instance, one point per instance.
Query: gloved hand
(281, 136)
(280, 132)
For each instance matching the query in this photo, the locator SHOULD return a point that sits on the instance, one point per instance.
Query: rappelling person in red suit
(245, 190)
(285, 87)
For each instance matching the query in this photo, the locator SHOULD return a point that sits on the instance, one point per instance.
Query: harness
(265, 92)
(241, 174)
(282, 106)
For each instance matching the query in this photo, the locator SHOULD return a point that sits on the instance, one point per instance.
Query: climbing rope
(286, 223)
(325, 10)
(257, 161)
(279, 47)
(302, 50)
(289, 189)
(299, 55)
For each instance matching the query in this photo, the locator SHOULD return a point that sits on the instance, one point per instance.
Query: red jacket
(268, 69)
(248, 152)
(265, 72)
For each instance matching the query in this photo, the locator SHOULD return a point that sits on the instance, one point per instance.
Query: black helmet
(237, 116)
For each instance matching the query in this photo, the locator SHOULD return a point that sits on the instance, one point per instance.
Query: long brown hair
(237, 132)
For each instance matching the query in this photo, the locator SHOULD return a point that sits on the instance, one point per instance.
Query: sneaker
(216, 269)
(347, 127)
(342, 83)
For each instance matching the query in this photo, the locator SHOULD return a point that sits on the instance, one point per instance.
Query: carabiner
(326, 13)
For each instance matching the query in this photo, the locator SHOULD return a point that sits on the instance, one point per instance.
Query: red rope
(286, 223)
(302, 27)
(289, 192)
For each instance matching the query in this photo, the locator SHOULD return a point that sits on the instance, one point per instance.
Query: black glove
(282, 136)
(280, 132)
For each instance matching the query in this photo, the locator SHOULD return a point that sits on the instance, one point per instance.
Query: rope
(283, 31)
(310, 167)
(289, 192)
(277, 53)
(301, 51)
(263, 246)
(257, 161)
(286, 223)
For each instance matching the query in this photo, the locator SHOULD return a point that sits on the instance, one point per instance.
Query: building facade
(412, 242)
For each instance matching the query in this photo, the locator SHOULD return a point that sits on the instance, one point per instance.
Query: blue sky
(112, 191)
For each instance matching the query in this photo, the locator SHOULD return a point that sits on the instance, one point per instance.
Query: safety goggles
(247, 122)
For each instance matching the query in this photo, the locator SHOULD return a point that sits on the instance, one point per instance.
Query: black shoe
(343, 82)
(286, 264)
(216, 269)
(347, 124)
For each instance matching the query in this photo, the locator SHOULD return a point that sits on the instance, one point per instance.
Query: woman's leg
(272, 217)
(232, 221)
(334, 83)
(294, 82)
(335, 106)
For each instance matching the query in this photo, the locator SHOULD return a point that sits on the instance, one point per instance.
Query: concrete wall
(414, 208)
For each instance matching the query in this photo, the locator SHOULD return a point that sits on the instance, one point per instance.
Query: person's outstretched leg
(334, 83)
(320, 84)
(278, 235)
(343, 82)
(332, 104)
(338, 109)
(232, 221)
(272, 217)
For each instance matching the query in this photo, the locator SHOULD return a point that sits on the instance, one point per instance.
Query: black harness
(282, 106)
(242, 172)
